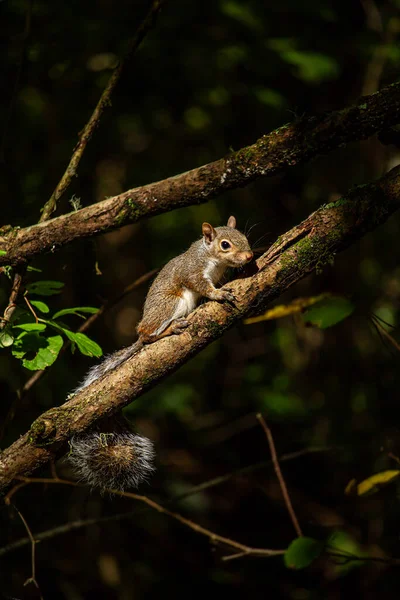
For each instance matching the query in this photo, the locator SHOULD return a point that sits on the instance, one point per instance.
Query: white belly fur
(187, 302)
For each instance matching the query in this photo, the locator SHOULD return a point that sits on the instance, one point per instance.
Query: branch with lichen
(272, 154)
(329, 230)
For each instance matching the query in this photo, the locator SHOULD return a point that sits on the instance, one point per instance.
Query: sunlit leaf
(85, 345)
(31, 326)
(45, 356)
(77, 310)
(283, 310)
(41, 306)
(37, 351)
(6, 339)
(302, 552)
(328, 312)
(372, 484)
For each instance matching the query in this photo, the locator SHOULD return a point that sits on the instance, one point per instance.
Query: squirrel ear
(232, 222)
(208, 232)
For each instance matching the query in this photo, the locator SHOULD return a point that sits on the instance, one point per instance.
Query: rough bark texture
(289, 145)
(313, 243)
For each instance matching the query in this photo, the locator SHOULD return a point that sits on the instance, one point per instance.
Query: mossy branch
(272, 154)
(323, 234)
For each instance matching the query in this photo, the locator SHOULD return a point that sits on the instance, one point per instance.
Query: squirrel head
(226, 244)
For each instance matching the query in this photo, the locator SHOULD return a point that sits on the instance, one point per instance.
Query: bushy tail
(110, 362)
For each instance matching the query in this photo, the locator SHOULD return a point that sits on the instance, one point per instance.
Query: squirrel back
(118, 458)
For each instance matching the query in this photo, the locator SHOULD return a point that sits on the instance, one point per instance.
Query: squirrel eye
(225, 245)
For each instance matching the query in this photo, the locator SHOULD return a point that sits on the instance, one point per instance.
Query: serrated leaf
(302, 552)
(76, 311)
(6, 339)
(40, 306)
(372, 484)
(45, 356)
(45, 288)
(328, 312)
(31, 326)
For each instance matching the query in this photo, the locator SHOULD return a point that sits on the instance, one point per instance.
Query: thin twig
(213, 537)
(32, 578)
(385, 333)
(279, 475)
(103, 103)
(206, 485)
(12, 301)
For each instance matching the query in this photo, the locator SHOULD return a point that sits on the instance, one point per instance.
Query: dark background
(211, 76)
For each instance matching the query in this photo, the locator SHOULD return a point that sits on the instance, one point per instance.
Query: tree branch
(272, 154)
(313, 243)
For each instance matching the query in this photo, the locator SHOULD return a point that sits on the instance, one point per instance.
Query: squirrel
(117, 458)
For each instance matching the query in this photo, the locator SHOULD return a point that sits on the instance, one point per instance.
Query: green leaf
(45, 356)
(346, 551)
(302, 552)
(40, 306)
(372, 484)
(31, 326)
(3, 252)
(76, 311)
(6, 339)
(45, 288)
(328, 312)
(41, 351)
(86, 346)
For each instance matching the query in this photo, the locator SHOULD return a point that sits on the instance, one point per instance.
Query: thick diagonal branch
(315, 241)
(274, 153)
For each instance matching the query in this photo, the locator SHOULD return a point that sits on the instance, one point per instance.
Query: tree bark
(313, 243)
(290, 145)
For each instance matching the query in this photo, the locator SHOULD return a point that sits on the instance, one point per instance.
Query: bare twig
(213, 537)
(12, 301)
(67, 527)
(279, 475)
(206, 485)
(103, 103)
(32, 578)
(385, 334)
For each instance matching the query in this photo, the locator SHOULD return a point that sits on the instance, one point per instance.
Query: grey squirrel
(117, 458)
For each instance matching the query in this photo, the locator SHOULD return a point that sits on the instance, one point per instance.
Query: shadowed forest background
(209, 78)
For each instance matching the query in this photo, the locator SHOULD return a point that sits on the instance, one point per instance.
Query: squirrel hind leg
(174, 328)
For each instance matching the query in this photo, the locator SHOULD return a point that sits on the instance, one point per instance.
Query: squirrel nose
(248, 256)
